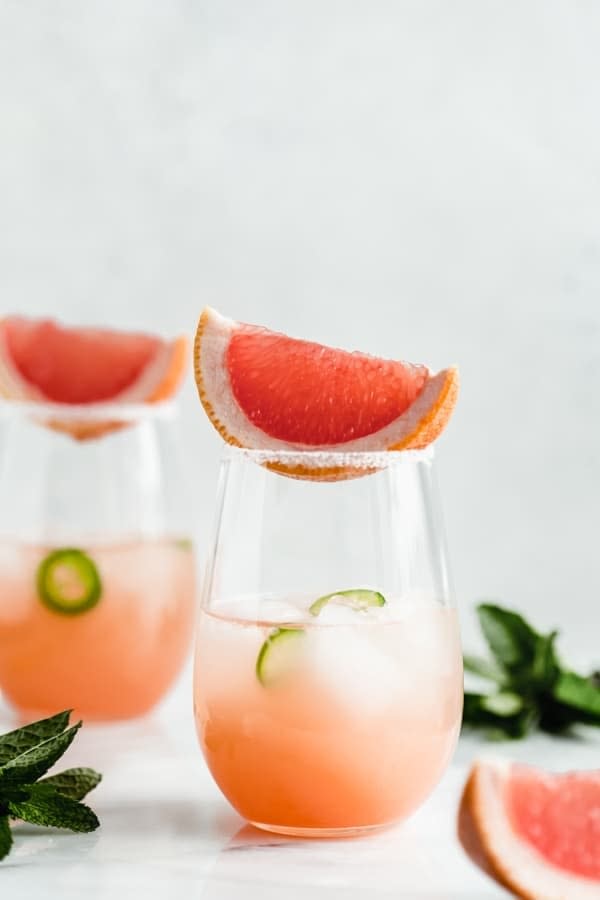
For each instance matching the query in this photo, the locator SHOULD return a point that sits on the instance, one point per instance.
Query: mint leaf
(578, 692)
(558, 718)
(545, 667)
(25, 755)
(532, 689)
(23, 739)
(484, 668)
(510, 638)
(74, 783)
(472, 705)
(45, 806)
(35, 762)
(479, 713)
(6, 840)
(504, 703)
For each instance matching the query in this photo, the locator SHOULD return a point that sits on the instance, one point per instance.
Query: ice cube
(432, 633)
(348, 664)
(339, 613)
(281, 611)
(260, 608)
(425, 647)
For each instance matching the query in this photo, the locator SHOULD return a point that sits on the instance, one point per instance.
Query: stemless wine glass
(97, 574)
(328, 672)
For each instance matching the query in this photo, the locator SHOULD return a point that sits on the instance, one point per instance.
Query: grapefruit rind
(515, 863)
(416, 428)
(158, 382)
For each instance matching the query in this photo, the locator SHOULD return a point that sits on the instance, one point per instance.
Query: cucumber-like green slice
(278, 655)
(356, 598)
(68, 582)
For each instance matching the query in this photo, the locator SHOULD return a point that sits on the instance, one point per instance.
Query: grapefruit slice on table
(42, 361)
(267, 391)
(537, 833)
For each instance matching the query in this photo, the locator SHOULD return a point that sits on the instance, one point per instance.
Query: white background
(415, 179)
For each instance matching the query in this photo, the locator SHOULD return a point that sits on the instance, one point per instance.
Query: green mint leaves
(42, 804)
(530, 688)
(25, 755)
(26, 738)
(74, 783)
(6, 840)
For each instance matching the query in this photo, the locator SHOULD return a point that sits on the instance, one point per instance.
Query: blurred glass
(97, 572)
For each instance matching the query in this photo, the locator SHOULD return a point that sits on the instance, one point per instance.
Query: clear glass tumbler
(328, 672)
(97, 573)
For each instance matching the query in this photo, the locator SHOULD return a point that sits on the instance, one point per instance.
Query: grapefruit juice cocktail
(333, 725)
(328, 682)
(96, 566)
(101, 628)
(328, 678)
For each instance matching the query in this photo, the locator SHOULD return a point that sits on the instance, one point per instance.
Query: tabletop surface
(167, 831)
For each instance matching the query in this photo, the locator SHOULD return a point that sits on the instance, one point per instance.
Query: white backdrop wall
(413, 178)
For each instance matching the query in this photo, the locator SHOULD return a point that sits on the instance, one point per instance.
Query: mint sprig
(530, 688)
(30, 736)
(74, 783)
(25, 755)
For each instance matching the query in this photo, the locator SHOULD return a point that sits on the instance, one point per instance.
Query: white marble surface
(167, 832)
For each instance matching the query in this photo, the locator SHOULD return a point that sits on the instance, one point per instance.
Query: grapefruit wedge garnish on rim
(537, 833)
(43, 362)
(266, 391)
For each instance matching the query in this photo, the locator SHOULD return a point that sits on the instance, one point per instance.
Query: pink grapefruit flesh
(47, 356)
(42, 361)
(266, 391)
(540, 832)
(275, 379)
(543, 809)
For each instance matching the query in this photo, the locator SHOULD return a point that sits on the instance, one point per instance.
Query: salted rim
(89, 412)
(323, 459)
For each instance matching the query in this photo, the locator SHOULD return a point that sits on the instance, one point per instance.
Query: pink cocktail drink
(328, 724)
(103, 629)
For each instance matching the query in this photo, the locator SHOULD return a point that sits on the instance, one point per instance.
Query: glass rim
(324, 459)
(88, 412)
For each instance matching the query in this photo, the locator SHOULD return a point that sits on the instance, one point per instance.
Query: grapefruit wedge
(537, 833)
(266, 391)
(42, 361)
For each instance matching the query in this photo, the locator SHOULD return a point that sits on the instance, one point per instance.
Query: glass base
(348, 832)
(24, 716)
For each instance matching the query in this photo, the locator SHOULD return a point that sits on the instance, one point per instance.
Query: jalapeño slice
(68, 582)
